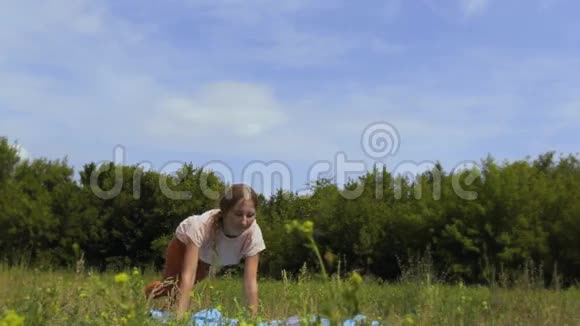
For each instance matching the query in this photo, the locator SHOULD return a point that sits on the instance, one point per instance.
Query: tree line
(517, 213)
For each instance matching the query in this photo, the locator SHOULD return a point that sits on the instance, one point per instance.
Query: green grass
(68, 298)
(85, 298)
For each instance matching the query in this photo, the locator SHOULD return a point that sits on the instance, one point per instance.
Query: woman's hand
(251, 282)
(187, 278)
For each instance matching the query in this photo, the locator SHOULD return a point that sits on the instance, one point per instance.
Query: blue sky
(292, 81)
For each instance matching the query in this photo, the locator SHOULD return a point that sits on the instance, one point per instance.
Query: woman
(218, 237)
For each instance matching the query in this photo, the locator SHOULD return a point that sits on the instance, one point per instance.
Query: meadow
(31, 296)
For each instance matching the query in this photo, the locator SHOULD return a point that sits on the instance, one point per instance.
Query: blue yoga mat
(214, 317)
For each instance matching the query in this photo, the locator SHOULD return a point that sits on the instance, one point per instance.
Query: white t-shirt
(229, 251)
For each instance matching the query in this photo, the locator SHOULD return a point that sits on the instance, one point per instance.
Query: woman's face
(240, 217)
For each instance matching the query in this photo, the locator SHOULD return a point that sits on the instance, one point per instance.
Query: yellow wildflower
(11, 318)
(122, 278)
(290, 227)
(308, 227)
(355, 278)
(409, 320)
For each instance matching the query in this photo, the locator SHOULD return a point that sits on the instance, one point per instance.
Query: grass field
(69, 298)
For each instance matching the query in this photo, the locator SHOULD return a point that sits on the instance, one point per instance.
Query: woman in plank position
(219, 237)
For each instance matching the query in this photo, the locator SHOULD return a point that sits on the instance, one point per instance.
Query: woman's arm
(251, 282)
(187, 279)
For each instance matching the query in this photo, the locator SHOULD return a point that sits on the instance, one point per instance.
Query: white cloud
(22, 152)
(223, 109)
(243, 120)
